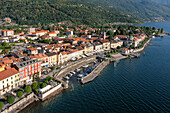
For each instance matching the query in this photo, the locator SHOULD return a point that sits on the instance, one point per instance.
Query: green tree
(19, 94)
(10, 99)
(1, 105)
(43, 85)
(27, 89)
(52, 68)
(118, 47)
(153, 28)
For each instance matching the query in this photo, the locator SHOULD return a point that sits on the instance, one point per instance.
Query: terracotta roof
(42, 31)
(6, 30)
(7, 73)
(52, 33)
(122, 36)
(32, 49)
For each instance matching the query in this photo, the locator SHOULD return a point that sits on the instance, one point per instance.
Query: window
(7, 80)
(3, 82)
(11, 78)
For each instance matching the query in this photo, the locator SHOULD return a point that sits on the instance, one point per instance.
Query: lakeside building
(27, 69)
(52, 59)
(9, 79)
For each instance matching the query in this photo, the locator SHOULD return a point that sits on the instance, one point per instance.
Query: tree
(118, 47)
(27, 89)
(153, 28)
(19, 94)
(10, 99)
(110, 33)
(43, 85)
(4, 44)
(52, 68)
(1, 105)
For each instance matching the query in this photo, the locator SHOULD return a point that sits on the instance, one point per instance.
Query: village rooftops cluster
(44, 49)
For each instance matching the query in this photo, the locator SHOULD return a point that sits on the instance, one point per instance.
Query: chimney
(104, 35)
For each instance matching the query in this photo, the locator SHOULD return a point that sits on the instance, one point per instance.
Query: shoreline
(87, 81)
(93, 75)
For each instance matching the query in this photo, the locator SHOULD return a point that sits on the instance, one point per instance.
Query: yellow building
(52, 59)
(9, 79)
(2, 67)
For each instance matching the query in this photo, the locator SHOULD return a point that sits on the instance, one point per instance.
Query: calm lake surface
(138, 85)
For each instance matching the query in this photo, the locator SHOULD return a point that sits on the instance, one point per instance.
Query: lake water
(138, 85)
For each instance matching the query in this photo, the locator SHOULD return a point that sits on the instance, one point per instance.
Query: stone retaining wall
(20, 104)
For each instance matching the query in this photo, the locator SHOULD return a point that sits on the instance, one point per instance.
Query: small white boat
(66, 77)
(85, 66)
(72, 72)
(153, 36)
(80, 75)
(77, 70)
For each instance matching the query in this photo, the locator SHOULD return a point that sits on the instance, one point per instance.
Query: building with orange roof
(106, 44)
(9, 79)
(41, 57)
(52, 34)
(40, 33)
(7, 33)
(69, 33)
(32, 50)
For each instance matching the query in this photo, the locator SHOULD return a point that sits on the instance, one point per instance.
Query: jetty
(90, 77)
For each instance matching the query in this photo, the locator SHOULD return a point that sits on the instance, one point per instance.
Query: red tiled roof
(7, 73)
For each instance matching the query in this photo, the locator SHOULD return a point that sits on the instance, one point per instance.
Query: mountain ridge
(83, 12)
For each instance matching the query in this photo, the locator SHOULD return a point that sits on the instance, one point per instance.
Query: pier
(94, 73)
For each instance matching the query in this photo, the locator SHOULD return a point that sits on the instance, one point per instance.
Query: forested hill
(82, 11)
(164, 2)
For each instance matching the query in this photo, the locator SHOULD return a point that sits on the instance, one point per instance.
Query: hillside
(82, 12)
(164, 2)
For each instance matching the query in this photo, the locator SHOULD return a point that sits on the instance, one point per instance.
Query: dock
(95, 72)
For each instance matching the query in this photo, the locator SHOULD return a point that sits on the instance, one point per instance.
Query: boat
(69, 74)
(80, 75)
(77, 70)
(85, 66)
(85, 74)
(66, 77)
(72, 72)
(153, 36)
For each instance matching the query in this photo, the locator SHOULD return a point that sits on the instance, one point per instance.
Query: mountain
(164, 2)
(83, 11)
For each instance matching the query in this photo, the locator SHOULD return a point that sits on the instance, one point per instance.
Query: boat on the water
(85, 66)
(69, 74)
(80, 75)
(72, 72)
(77, 70)
(66, 77)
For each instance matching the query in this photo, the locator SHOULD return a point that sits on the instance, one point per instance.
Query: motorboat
(85, 66)
(77, 70)
(66, 77)
(80, 75)
(72, 72)
(69, 74)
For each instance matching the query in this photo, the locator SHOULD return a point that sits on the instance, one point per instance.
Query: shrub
(21, 89)
(52, 68)
(46, 81)
(19, 94)
(1, 105)
(43, 85)
(27, 89)
(10, 99)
